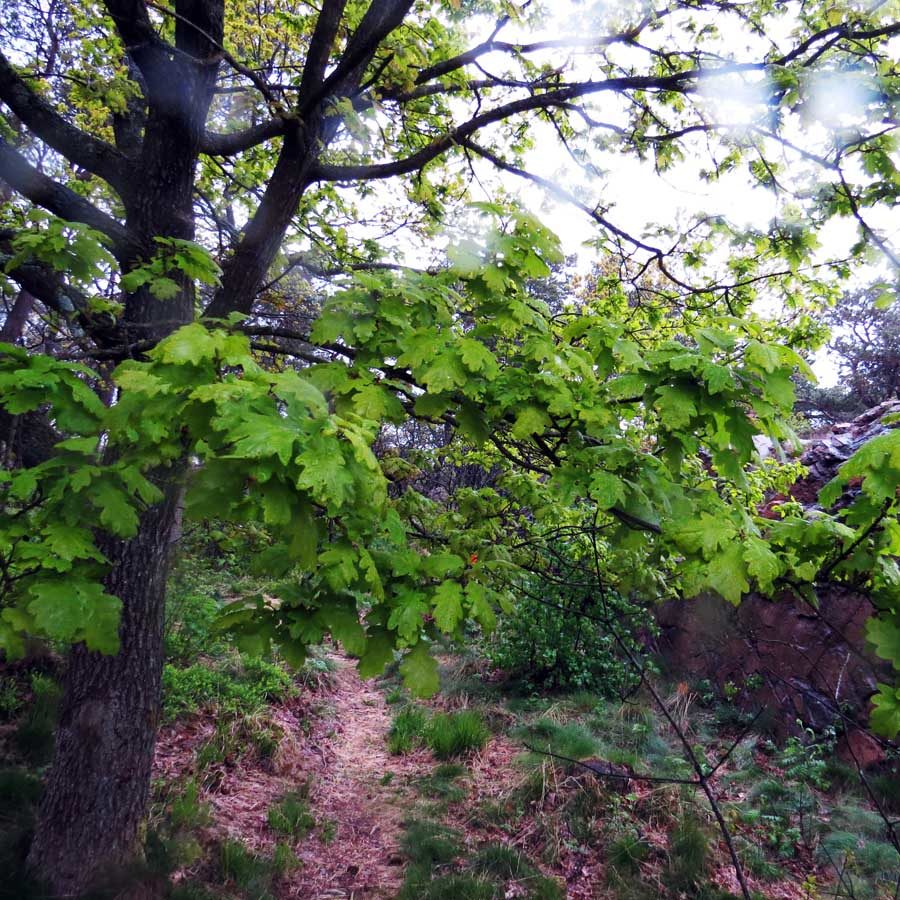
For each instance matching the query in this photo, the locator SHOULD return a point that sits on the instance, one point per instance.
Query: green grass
(626, 853)
(441, 783)
(502, 863)
(688, 855)
(449, 887)
(186, 811)
(407, 730)
(429, 844)
(291, 815)
(450, 735)
(571, 740)
(249, 871)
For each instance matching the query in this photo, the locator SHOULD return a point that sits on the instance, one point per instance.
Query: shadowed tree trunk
(109, 716)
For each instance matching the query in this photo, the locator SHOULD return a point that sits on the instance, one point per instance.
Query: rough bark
(96, 792)
(97, 789)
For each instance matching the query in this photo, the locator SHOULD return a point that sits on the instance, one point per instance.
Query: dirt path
(360, 788)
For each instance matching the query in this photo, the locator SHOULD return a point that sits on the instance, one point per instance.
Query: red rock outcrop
(798, 662)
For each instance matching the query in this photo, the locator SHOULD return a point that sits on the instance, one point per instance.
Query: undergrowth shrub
(455, 734)
(241, 687)
(35, 732)
(557, 642)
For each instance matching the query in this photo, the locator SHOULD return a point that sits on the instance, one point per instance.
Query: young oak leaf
(448, 612)
(420, 672)
(727, 574)
(762, 563)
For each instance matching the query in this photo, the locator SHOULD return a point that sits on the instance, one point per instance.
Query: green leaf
(58, 608)
(531, 420)
(100, 630)
(762, 563)
(117, 513)
(675, 406)
(378, 653)
(703, 533)
(480, 608)
(343, 623)
(477, 358)
(884, 633)
(448, 612)
(885, 718)
(420, 672)
(325, 472)
(439, 565)
(727, 574)
(606, 490)
(189, 344)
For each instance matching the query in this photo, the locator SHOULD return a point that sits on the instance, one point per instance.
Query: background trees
(170, 172)
(865, 346)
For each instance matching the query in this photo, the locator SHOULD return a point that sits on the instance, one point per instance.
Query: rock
(860, 749)
(801, 663)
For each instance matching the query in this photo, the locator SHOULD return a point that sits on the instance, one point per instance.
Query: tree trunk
(96, 794)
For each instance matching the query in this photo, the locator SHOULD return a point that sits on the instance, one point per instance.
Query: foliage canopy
(198, 228)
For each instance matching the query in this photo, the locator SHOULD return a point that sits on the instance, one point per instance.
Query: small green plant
(35, 732)
(186, 811)
(688, 854)
(626, 853)
(407, 730)
(291, 815)
(10, 698)
(455, 734)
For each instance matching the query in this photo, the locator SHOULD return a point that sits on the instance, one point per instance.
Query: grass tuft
(407, 730)
(455, 734)
(291, 815)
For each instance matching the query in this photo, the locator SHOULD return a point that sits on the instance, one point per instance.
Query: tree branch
(96, 156)
(62, 201)
(239, 141)
(680, 81)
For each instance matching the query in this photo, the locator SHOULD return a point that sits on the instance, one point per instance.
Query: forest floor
(302, 791)
(500, 823)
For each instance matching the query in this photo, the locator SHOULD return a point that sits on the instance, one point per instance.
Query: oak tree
(204, 309)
